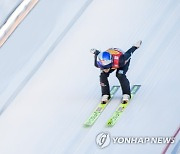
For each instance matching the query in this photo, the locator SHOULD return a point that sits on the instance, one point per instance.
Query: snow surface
(60, 86)
(6, 8)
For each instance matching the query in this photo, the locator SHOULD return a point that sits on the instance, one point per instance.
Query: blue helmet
(104, 60)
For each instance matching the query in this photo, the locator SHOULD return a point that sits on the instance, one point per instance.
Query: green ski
(111, 122)
(99, 109)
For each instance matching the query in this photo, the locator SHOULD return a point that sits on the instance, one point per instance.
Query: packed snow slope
(47, 114)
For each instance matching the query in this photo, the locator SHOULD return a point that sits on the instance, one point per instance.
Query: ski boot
(125, 98)
(105, 99)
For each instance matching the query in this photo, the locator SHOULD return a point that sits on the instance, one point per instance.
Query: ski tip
(86, 125)
(109, 123)
(109, 126)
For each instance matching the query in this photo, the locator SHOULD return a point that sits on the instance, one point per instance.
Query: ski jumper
(120, 63)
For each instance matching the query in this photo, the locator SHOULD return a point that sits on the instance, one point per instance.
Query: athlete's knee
(122, 78)
(120, 74)
(104, 75)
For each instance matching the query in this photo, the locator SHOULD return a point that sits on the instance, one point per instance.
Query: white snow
(6, 8)
(60, 86)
